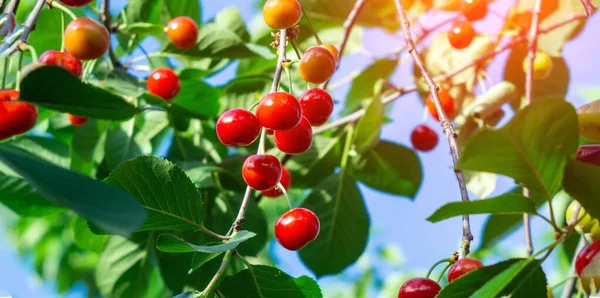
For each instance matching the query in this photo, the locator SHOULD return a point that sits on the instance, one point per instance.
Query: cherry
(424, 138)
(419, 288)
(333, 50)
(15, 117)
(447, 103)
(462, 267)
(585, 222)
(77, 120)
(64, 60)
(279, 111)
(474, 10)
(261, 172)
(589, 154)
(317, 106)
(317, 65)
(286, 181)
(163, 83)
(296, 228)
(296, 140)
(461, 35)
(86, 39)
(75, 3)
(237, 127)
(182, 32)
(282, 14)
(542, 65)
(587, 265)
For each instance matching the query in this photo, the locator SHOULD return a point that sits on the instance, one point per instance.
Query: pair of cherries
(461, 34)
(423, 138)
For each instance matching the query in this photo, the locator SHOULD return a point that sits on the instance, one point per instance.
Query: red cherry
(419, 288)
(76, 120)
(589, 154)
(447, 103)
(182, 32)
(237, 127)
(163, 83)
(462, 267)
(587, 266)
(64, 60)
(15, 117)
(296, 140)
(75, 3)
(296, 228)
(279, 111)
(474, 10)
(424, 138)
(461, 35)
(261, 172)
(586, 256)
(286, 181)
(317, 106)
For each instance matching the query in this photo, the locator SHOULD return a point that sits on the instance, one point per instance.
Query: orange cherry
(182, 32)
(282, 14)
(317, 65)
(86, 39)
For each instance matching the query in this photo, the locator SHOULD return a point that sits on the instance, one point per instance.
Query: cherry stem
(298, 54)
(62, 33)
(18, 83)
(64, 9)
(289, 76)
(261, 143)
(349, 137)
(285, 194)
(31, 49)
(213, 282)
(444, 271)
(310, 25)
(447, 260)
(7, 62)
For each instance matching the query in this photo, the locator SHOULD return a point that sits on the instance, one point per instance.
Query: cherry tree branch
(107, 22)
(589, 8)
(27, 28)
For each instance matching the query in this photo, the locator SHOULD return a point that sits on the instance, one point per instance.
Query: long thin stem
(447, 125)
(310, 25)
(528, 241)
(570, 284)
(64, 9)
(213, 282)
(27, 28)
(449, 260)
(589, 8)
(107, 21)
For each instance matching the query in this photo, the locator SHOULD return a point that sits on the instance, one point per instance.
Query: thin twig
(107, 21)
(589, 8)
(528, 241)
(570, 284)
(447, 125)
(27, 28)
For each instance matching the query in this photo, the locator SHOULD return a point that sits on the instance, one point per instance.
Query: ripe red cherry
(182, 32)
(279, 111)
(77, 120)
(296, 140)
(317, 65)
(296, 228)
(282, 14)
(163, 83)
(589, 154)
(447, 103)
(317, 106)
(237, 127)
(64, 60)
(15, 117)
(474, 10)
(75, 3)
(461, 35)
(286, 181)
(86, 39)
(462, 267)
(261, 172)
(424, 138)
(587, 266)
(419, 288)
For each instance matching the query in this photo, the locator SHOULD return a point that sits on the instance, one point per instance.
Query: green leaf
(497, 227)
(581, 182)
(508, 203)
(142, 29)
(368, 128)
(241, 92)
(47, 149)
(522, 151)
(265, 281)
(147, 11)
(311, 167)
(534, 285)
(84, 238)
(510, 280)
(108, 207)
(376, 13)
(172, 243)
(362, 85)
(197, 99)
(188, 8)
(391, 168)
(339, 205)
(55, 88)
(467, 284)
(121, 145)
(87, 146)
(201, 258)
(230, 18)
(20, 197)
(164, 190)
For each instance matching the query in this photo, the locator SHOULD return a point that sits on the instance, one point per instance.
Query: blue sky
(394, 220)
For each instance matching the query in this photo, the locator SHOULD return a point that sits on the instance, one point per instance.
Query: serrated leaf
(368, 128)
(362, 85)
(581, 182)
(121, 145)
(230, 18)
(84, 238)
(391, 168)
(264, 281)
(172, 243)
(20, 197)
(589, 120)
(57, 89)
(508, 203)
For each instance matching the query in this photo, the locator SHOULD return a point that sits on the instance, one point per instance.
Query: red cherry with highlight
(474, 10)
(75, 3)
(424, 138)
(447, 103)
(77, 120)
(286, 181)
(64, 60)
(317, 106)
(163, 83)
(296, 140)
(419, 288)
(182, 32)
(587, 265)
(16, 117)
(461, 35)
(589, 154)
(261, 172)
(296, 228)
(279, 111)
(238, 127)
(462, 267)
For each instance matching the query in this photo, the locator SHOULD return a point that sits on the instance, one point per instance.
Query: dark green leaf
(469, 283)
(55, 88)
(581, 182)
(241, 92)
(121, 145)
(172, 243)
(510, 280)
(534, 285)
(188, 8)
(87, 146)
(319, 162)
(84, 238)
(497, 227)
(20, 197)
(201, 258)
(47, 149)
(197, 99)
(362, 85)
(147, 11)
(508, 203)
(368, 128)
(112, 209)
